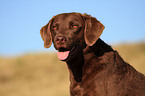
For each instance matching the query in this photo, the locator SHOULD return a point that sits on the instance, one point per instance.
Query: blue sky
(21, 20)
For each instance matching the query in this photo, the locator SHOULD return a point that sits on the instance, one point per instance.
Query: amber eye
(74, 26)
(54, 27)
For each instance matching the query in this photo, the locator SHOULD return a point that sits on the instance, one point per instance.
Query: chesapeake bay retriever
(95, 68)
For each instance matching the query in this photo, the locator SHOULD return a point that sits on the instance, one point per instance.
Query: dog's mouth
(65, 54)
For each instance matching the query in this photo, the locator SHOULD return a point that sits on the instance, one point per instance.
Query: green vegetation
(44, 75)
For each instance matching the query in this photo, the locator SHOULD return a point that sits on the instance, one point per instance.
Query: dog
(95, 68)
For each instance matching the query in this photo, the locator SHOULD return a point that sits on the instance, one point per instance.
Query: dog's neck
(100, 47)
(76, 64)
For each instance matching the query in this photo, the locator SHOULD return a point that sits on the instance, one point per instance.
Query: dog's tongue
(62, 55)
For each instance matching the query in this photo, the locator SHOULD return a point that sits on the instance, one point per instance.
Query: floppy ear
(46, 35)
(93, 29)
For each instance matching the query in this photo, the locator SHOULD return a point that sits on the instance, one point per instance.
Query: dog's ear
(46, 34)
(93, 29)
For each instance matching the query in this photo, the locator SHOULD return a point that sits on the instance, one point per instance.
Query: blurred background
(28, 69)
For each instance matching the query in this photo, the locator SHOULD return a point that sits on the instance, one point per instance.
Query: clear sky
(21, 21)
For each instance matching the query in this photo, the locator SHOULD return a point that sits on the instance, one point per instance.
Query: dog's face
(70, 33)
(67, 31)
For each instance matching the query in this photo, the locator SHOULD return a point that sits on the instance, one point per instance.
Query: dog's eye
(54, 27)
(74, 26)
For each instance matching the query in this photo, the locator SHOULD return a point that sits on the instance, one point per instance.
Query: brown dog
(95, 68)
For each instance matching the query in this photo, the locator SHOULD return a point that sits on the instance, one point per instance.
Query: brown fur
(95, 68)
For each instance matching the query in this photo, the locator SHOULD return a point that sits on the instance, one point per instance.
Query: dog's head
(70, 33)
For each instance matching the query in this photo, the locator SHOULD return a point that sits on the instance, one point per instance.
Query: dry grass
(33, 75)
(45, 75)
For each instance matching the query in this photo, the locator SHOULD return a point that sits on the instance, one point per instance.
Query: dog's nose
(60, 39)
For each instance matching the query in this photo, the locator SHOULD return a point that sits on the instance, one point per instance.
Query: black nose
(60, 39)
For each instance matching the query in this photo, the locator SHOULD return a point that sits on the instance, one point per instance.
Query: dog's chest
(76, 89)
(88, 87)
(79, 89)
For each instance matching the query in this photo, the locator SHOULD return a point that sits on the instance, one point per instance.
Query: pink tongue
(62, 55)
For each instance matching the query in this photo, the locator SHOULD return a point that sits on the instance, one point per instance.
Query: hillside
(44, 75)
